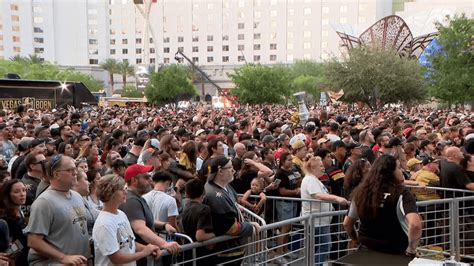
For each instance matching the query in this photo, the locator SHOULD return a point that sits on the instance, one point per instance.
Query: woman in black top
(389, 221)
(13, 196)
(251, 168)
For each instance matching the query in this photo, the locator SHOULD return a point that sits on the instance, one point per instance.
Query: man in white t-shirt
(162, 205)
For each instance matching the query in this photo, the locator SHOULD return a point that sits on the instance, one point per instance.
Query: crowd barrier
(448, 233)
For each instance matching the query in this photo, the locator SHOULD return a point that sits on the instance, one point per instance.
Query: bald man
(239, 149)
(451, 172)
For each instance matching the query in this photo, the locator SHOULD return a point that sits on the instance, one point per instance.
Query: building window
(307, 11)
(225, 59)
(112, 41)
(124, 41)
(39, 50)
(138, 50)
(273, 57)
(166, 60)
(241, 26)
(151, 40)
(38, 20)
(290, 46)
(112, 32)
(291, 12)
(343, 9)
(240, 47)
(93, 51)
(324, 44)
(256, 24)
(195, 49)
(325, 10)
(166, 50)
(181, 49)
(195, 60)
(307, 34)
(273, 13)
(16, 38)
(152, 50)
(257, 14)
(210, 49)
(325, 21)
(324, 33)
(210, 59)
(306, 22)
(273, 46)
(93, 31)
(93, 61)
(307, 45)
(138, 40)
(112, 51)
(125, 51)
(225, 37)
(16, 49)
(180, 39)
(92, 21)
(37, 30)
(15, 28)
(256, 47)
(362, 20)
(241, 58)
(166, 39)
(138, 61)
(256, 58)
(256, 36)
(210, 38)
(14, 7)
(225, 48)
(195, 39)
(240, 37)
(93, 41)
(273, 35)
(289, 57)
(16, 18)
(241, 14)
(153, 60)
(92, 11)
(290, 23)
(343, 20)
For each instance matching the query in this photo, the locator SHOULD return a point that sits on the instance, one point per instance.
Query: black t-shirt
(136, 208)
(470, 175)
(388, 232)
(453, 175)
(31, 184)
(368, 153)
(289, 179)
(15, 228)
(242, 183)
(196, 216)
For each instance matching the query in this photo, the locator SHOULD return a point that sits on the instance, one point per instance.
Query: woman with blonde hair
(114, 240)
(313, 189)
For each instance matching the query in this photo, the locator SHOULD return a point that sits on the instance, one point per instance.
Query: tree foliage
(32, 68)
(170, 85)
(257, 84)
(452, 68)
(131, 91)
(377, 77)
(111, 66)
(125, 69)
(309, 76)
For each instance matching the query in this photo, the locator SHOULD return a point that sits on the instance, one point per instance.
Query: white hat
(199, 132)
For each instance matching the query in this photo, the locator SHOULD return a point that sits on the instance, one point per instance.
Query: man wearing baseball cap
(138, 179)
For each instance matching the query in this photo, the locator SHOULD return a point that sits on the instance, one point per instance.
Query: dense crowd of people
(112, 185)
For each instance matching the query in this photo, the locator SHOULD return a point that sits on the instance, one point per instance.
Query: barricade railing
(447, 233)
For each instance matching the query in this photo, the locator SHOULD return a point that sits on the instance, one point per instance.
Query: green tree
(125, 69)
(31, 69)
(452, 68)
(131, 91)
(170, 85)
(110, 65)
(377, 77)
(309, 76)
(257, 84)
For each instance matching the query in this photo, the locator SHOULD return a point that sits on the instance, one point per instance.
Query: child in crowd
(253, 203)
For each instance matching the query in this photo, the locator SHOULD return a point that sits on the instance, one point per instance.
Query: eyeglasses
(70, 170)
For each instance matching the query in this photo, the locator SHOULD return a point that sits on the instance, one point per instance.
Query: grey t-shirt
(62, 220)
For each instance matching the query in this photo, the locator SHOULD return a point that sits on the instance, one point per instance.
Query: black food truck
(44, 94)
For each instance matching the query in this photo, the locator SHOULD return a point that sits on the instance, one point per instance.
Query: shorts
(286, 210)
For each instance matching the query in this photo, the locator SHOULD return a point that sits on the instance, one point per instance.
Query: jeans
(322, 244)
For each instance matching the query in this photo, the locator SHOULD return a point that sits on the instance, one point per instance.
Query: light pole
(144, 7)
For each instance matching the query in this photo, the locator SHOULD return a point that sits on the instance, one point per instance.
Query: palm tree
(34, 59)
(125, 69)
(111, 66)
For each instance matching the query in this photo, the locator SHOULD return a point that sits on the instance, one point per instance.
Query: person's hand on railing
(170, 229)
(342, 201)
(172, 247)
(256, 227)
(153, 250)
